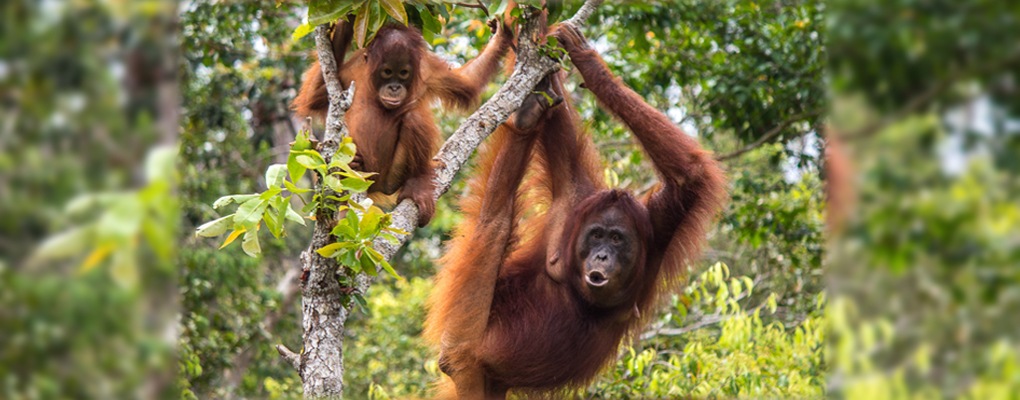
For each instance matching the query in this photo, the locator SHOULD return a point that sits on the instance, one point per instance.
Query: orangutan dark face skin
(393, 79)
(606, 252)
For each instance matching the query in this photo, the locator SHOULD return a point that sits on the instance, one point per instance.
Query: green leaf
(274, 227)
(275, 174)
(250, 244)
(302, 31)
(238, 198)
(250, 212)
(361, 25)
(367, 265)
(293, 215)
(334, 249)
(294, 189)
(355, 185)
(326, 11)
(352, 219)
(215, 227)
(379, 259)
(310, 162)
(344, 231)
(271, 193)
(395, 9)
(65, 244)
(369, 225)
(430, 23)
(390, 238)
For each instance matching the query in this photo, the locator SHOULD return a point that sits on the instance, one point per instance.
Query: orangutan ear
(556, 267)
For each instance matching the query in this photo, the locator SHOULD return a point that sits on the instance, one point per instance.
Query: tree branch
(324, 314)
(926, 97)
(770, 134)
(479, 5)
(320, 363)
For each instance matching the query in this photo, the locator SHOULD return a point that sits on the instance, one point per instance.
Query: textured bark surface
(320, 364)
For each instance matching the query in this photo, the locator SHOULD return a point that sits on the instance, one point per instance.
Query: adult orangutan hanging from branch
(544, 279)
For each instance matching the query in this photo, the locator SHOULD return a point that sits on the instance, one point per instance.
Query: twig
(478, 5)
(770, 134)
(926, 97)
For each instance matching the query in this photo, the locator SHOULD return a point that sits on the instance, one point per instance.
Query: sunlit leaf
(215, 227)
(237, 198)
(275, 175)
(250, 243)
(233, 235)
(361, 25)
(395, 8)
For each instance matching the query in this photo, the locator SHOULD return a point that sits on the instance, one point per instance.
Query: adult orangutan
(543, 280)
(396, 81)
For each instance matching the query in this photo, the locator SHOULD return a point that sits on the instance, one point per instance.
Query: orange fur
(505, 312)
(399, 144)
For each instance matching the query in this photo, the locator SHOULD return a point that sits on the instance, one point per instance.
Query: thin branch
(770, 134)
(584, 12)
(478, 5)
(320, 364)
(291, 357)
(927, 96)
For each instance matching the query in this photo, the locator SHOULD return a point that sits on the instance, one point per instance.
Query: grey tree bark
(320, 363)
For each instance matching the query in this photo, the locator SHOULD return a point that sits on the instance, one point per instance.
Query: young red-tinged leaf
(233, 235)
(236, 198)
(395, 9)
(215, 227)
(275, 174)
(361, 25)
(250, 243)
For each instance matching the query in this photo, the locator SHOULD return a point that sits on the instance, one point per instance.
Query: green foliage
(385, 344)
(370, 15)
(88, 216)
(735, 355)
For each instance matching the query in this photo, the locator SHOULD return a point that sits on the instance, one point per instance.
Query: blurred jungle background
(121, 122)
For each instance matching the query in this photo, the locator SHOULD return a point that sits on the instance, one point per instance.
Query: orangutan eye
(386, 73)
(404, 74)
(617, 238)
(596, 234)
